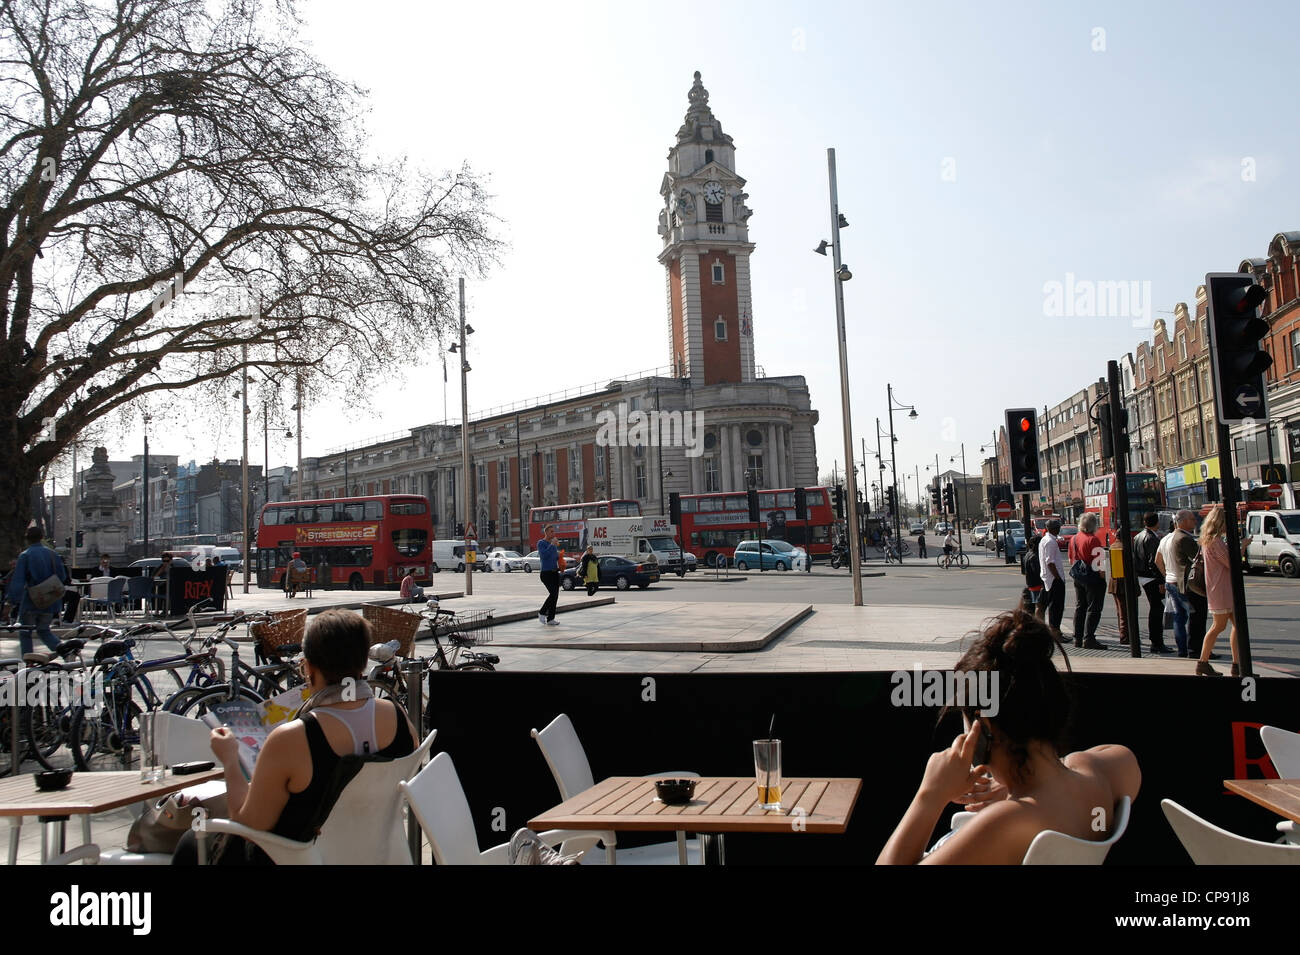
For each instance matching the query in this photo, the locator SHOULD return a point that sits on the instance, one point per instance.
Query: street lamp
(956, 499)
(842, 275)
(893, 454)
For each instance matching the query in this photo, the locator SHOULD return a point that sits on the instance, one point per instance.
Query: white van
(449, 555)
(1273, 541)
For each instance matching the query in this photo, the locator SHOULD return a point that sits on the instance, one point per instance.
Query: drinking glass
(151, 769)
(767, 772)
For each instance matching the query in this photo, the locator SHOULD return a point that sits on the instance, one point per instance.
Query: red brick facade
(718, 301)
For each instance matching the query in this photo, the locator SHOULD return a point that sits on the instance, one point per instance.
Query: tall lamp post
(464, 435)
(842, 275)
(959, 493)
(893, 460)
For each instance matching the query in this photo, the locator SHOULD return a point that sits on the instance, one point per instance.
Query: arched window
(708, 155)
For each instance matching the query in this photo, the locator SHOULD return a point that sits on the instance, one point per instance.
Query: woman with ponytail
(1007, 766)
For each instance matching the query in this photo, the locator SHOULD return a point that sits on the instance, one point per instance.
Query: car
(1016, 539)
(775, 555)
(979, 534)
(532, 561)
(916, 527)
(942, 528)
(613, 571)
(690, 560)
(1063, 538)
(504, 561)
(152, 562)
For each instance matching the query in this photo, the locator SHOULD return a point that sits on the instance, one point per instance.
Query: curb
(702, 646)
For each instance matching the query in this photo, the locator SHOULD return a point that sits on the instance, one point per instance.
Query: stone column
(771, 461)
(724, 458)
(738, 436)
(787, 474)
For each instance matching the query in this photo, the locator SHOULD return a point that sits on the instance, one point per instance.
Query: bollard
(415, 709)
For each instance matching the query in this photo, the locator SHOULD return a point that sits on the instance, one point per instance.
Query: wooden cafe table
(720, 805)
(87, 794)
(1280, 795)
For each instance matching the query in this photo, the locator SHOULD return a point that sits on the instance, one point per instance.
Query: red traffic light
(1025, 424)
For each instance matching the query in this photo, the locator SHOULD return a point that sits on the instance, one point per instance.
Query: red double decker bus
(355, 542)
(713, 524)
(569, 519)
(1101, 496)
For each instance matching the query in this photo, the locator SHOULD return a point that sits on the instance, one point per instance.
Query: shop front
(1185, 485)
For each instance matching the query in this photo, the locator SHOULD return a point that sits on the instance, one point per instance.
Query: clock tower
(704, 224)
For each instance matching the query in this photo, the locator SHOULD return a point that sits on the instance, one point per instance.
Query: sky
(984, 151)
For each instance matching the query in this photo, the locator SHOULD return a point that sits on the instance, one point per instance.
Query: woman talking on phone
(1007, 767)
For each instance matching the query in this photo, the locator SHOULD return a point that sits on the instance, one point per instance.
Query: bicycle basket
(286, 628)
(390, 624)
(469, 629)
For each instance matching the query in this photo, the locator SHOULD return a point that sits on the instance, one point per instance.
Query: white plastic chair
(569, 765)
(180, 739)
(1207, 844)
(364, 827)
(438, 802)
(1056, 848)
(1283, 749)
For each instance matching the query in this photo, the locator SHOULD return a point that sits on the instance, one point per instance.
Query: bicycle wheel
(964, 561)
(198, 706)
(47, 728)
(108, 739)
(389, 690)
(475, 665)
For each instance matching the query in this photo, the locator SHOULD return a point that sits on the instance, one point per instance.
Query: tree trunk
(16, 480)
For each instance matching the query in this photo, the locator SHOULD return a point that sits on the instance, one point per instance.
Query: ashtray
(675, 791)
(53, 779)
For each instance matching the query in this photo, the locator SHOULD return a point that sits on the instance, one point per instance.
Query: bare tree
(180, 182)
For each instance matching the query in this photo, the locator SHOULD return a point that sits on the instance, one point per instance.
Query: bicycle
(946, 561)
(255, 684)
(463, 631)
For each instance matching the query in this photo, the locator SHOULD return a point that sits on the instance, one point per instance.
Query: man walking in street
(549, 552)
(1052, 567)
(36, 565)
(1173, 556)
(920, 543)
(1145, 547)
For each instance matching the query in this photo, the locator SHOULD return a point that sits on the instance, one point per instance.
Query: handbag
(47, 593)
(1194, 580)
(161, 825)
(1080, 571)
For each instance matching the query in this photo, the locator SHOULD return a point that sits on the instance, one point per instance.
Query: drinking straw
(767, 787)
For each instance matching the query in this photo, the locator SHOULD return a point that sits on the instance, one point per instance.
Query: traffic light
(935, 503)
(460, 529)
(949, 499)
(1237, 356)
(675, 508)
(891, 504)
(751, 498)
(1104, 424)
(1212, 490)
(1022, 429)
(801, 504)
(81, 537)
(837, 494)
(492, 528)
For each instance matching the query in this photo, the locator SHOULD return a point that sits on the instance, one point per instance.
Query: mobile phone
(983, 745)
(197, 766)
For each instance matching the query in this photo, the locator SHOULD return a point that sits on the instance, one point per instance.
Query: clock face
(713, 192)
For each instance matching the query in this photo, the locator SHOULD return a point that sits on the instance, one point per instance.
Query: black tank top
(296, 817)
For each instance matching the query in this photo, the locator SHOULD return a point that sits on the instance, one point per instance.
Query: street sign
(1275, 491)
(1004, 509)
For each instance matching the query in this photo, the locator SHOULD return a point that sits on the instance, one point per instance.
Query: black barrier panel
(185, 588)
(1189, 734)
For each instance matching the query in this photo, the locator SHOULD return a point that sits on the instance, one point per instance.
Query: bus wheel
(1289, 567)
(711, 559)
(355, 582)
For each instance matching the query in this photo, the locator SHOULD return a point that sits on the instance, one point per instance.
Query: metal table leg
(713, 849)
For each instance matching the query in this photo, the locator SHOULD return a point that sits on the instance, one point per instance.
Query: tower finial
(698, 95)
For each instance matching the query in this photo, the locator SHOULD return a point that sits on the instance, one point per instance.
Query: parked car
(614, 571)
(504, 561)
(152, 562)
(775, 555)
